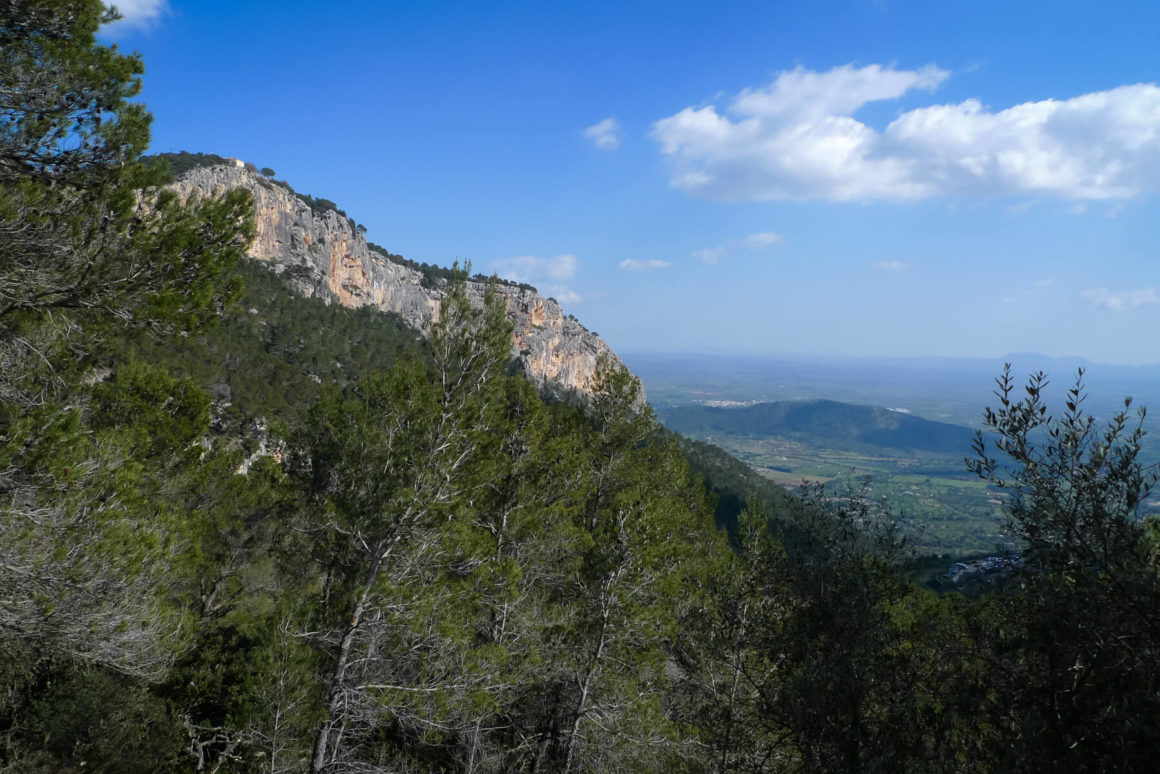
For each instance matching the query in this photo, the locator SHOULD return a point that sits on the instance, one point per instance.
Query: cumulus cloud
(1122, 300)
(895, 266)
(606, 134)
(634, 265)
(139, 13)
(797, 138)
(547, 274)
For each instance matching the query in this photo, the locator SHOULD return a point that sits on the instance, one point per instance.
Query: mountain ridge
(323, 252)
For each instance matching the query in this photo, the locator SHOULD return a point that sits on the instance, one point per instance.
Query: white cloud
(566, 296)
(1124, 299)
(797, 138)
(606, 134)
(527, 268)
(709, 255)
(1040, 287)
(1079, 208)
(545, 273)
(762, 240)
(632, 264)
(139, 13)
(896, 266)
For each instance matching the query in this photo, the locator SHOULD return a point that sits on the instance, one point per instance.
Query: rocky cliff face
(323, 254)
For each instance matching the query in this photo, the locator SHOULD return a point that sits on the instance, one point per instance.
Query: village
(975, 569)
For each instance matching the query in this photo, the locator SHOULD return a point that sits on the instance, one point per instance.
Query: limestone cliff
(322, 253)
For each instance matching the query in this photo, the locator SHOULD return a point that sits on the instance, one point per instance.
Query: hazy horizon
(1015, 358)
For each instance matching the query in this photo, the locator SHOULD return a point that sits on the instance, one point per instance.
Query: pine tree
(389, 466)
(89, 244)
(642, 516)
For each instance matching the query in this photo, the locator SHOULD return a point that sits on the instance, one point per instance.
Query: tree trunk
(338, 676)
(582, 702)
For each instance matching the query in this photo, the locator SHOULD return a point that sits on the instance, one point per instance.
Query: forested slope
(273, 349)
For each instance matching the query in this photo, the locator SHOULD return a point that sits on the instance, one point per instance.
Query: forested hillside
(245, 531)
(825, 423)
(915, 463)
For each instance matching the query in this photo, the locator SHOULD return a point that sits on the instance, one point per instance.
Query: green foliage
(93, 528)
(1077, 637)
(434, 276)
(177, 164)
(272, 350)
(1077, 491)
(734, 484)
(642, 518)
(91, 242)
(320, 206)
(386, 466)
(156, 415)
(80, 719)
(65, 100)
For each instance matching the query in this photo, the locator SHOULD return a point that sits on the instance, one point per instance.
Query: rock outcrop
(322, 253)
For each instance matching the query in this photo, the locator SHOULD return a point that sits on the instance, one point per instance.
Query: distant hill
(824, 423)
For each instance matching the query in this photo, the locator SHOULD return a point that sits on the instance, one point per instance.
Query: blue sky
(864, 177)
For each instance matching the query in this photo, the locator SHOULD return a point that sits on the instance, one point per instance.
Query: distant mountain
(824, 423)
